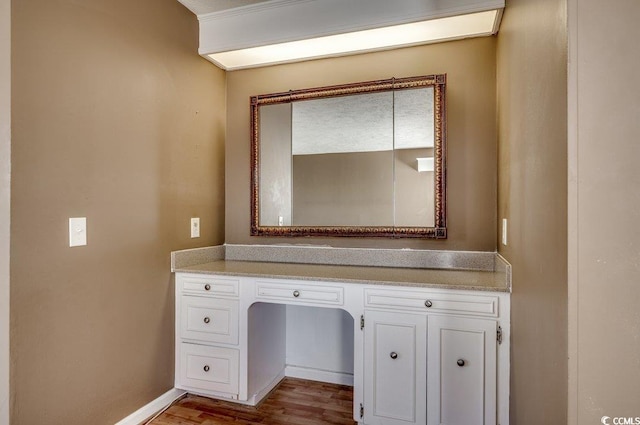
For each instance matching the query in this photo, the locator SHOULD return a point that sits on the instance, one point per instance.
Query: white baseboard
(151, 408)
(340, 378)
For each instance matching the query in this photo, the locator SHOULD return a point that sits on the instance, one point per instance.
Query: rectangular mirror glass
(364, 159)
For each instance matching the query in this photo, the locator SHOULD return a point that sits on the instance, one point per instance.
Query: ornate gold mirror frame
(438, 231)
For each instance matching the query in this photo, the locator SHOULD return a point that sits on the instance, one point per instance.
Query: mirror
(363, 159)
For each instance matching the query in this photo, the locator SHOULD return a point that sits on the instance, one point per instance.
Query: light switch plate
(77, 231)
(195, 227)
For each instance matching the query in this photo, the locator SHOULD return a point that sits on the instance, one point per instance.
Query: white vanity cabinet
(207, 331)
(421, 355)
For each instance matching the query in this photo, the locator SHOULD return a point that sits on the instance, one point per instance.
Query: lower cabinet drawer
(208, 285)
(209, 319)
(432, 301)
(209, 368)
(300, 293)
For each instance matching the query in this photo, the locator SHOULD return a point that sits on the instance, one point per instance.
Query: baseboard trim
(154, 406)
(339, 378)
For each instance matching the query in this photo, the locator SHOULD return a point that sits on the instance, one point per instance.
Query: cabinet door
(461, 371)
(394, 368)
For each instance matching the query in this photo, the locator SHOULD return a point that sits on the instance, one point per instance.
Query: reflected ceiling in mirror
(363, 159)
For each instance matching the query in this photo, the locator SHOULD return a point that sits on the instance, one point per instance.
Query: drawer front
(432, 302)
(209, 319)
(209, 368)
(209, 285)
(299, 293)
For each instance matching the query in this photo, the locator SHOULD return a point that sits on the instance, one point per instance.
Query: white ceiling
(202, 7)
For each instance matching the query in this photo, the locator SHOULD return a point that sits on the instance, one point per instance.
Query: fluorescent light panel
(454, 27)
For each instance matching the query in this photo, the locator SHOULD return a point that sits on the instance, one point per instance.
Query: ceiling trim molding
(248, 9)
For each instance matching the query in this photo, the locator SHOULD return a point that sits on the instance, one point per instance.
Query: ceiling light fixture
(430, 31)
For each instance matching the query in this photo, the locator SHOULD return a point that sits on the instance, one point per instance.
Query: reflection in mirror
(364, 159)
(413, 143)
(275, 165)
(343, 161)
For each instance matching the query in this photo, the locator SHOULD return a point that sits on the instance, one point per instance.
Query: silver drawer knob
(207, 287)
(296, 294)
(207, 320)
(393, 355)
(460, 362)
(206, 368)
(428, 304)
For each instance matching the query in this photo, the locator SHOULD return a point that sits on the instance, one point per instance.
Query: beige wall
(532, 195)
(604, 200)
(5, 190)
(470, 69)
(115, 118)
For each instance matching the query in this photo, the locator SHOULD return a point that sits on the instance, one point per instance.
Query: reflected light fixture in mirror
(431, 31)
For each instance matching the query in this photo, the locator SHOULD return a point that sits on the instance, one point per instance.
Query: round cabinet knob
(296, 294)
(460, 362)
(206, 368)
(207, 287)
(393, 355)
(428, 303)
(207, 320)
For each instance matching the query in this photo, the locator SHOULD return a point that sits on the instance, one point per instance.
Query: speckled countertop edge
(215, 260)
(195, 256)
(378, 257)
(503, 266)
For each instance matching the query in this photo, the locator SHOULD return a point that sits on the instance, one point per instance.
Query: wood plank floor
(294, 401)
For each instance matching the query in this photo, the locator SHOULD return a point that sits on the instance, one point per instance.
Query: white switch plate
(77, 231)
(195, 227)
(504, 231)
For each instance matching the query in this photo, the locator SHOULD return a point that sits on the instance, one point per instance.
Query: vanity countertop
(391, 276)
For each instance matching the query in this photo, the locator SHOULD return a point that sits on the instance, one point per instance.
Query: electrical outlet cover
(504, 231)
(195, 227)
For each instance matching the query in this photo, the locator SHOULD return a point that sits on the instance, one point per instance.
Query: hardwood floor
(294, 401)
